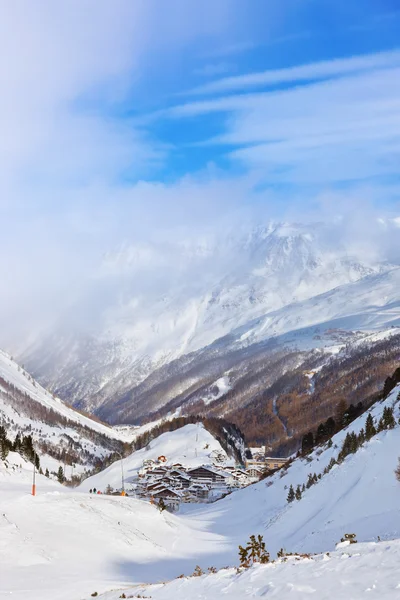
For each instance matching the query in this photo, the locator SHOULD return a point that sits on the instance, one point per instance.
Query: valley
(66, 543)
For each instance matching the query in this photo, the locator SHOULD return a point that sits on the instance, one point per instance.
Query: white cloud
(67, 159)
(329, 131)
(312, 71)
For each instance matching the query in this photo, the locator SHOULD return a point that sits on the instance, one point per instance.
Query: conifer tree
(361, 437)
(60, 474)
(47, 474)
(388, 418)
(298, 493)
(370, 430)
(291, 495)
(17, 443)
(5, 444)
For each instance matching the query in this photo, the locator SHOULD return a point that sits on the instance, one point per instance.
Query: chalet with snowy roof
(166, 494)
(199, 491)
(180, 479)
(207, 475)
(255, 472)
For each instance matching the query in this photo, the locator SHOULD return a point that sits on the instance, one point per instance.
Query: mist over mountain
(150, 304)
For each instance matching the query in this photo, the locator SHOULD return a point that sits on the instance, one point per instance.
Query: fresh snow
(360, 572)
(65, 544)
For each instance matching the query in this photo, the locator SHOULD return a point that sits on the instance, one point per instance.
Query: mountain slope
(62, 435)
(155, 304)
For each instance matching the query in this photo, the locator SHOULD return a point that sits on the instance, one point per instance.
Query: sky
(130, 121)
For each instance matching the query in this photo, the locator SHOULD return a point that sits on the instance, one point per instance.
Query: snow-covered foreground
(63, 544)
(358, 572)
(191, 446)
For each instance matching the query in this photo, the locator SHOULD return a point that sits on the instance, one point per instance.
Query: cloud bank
(88, 92)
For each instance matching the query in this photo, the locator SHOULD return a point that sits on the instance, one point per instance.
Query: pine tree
(5, 444)
(370, 430)
(291, 495)
(361, 437)
(60, 474)
(330, 426)
(47, 474)
(17, 443)
(298, 493)
(321, 433)
(310, 481)
(307, 443)
(388, 418)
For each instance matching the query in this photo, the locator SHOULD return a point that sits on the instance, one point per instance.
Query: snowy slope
(370, 305)
(191, 446)
(62, 545)
(361, 495)
(12, 373)
(360, 571)
(156, 304)
(66, 544)
(26, 407)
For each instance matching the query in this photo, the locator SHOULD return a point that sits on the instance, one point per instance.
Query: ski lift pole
(34, 474)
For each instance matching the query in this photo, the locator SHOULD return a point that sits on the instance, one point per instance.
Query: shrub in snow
(349, 537)
(254, 552)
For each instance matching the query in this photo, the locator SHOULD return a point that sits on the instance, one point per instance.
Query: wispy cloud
(345, 128)
(313, 71)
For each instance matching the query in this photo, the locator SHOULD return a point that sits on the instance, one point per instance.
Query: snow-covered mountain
(152, 304)
(61, 435)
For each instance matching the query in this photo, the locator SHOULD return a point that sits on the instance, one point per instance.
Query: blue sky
(128, 121)
(203, 110)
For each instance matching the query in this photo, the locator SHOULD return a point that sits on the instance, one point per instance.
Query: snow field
(363, 571)
(64, 544)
